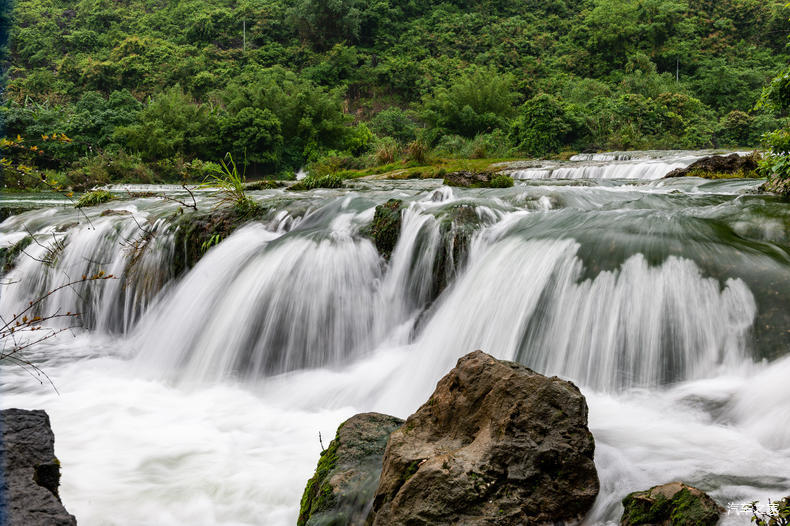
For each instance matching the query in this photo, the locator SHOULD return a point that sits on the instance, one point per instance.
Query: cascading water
(198, 398)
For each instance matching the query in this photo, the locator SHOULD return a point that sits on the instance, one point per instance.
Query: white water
(207, 409)
(646, 166)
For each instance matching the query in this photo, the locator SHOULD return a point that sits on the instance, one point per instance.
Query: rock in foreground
(719, 167)
(674, 504)
(495, 444)
(348, 472)
(32, 473)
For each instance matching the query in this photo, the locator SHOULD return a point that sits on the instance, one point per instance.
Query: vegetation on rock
(675, 503)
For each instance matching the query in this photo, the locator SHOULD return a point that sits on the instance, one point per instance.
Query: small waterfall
(124, 244)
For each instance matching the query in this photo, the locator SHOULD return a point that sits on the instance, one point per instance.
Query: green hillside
(153, 90)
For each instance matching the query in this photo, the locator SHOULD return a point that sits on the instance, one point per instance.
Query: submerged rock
(348, 472)
(32, 472)
(674, 504)
(496, 443)
(385, 228)
(720, 166)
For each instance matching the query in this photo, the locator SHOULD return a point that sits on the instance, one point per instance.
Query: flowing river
(198, 397)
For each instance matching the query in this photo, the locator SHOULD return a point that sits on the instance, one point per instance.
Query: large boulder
(720, 166)
(496, 443)
(348, 472)
(32, 472)
(673, 504)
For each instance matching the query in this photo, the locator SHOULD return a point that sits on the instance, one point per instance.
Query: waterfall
(665, 302)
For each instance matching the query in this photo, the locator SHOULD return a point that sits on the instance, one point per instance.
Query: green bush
(94, 198)
(325, 181)
(501, 181)
(544, 124)
(478, 102)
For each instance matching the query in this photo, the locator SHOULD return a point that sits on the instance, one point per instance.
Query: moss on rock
(8, 255)
(675, 503)
(386, 225)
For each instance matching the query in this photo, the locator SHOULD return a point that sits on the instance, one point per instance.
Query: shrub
(394, 122)
(417, 151)
(325, 181)
(387, 151)
(478, 102)
(501, 181)
(94, 198)
(231, 187)
(542, 126)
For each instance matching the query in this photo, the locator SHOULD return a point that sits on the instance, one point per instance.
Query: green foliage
(177, 83)
(478, 102)
(501, 181)
(231, 187)
(395, 123)
(543, 125)
(779, 514)
(312, 182)
(94, 198)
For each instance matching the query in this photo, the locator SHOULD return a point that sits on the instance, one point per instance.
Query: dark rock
(478, 180)
(348, 472)
(8, 255)
(673, 504)
(32, 472)
(8, 211)
(719, 166)
(111, 212)
(496, 443)
(385, 228)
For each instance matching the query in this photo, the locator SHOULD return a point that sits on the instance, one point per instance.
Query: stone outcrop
(496, 443)
(348, 472)
(32, 472)
(673, 504)
(720, 166)
(478, 179)
(385, 228)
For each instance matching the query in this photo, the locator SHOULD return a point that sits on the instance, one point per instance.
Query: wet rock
(720, 166)
(348, 472)
(477, 180)
(385, 228)
(9, 255)
(496, 443)
(196, 232)
(674, 504)
(8, 211)
(112, 212)
(32, 472)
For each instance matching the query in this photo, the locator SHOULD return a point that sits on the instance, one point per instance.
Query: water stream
(198, 398)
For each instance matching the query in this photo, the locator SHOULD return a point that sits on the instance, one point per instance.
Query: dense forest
(160, 90)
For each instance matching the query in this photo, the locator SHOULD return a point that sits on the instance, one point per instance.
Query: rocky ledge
(32, 472)
(720, 167)
(496, 443)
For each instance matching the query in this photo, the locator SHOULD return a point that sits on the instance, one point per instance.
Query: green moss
(643, 510)
(501, 181)
(318, 496)
(689, 510)
(683, 509)
(324, 181)
(410, 470)
(385, 228)
(264, 184)
(8, 255)
(740, 174)
(94, 198)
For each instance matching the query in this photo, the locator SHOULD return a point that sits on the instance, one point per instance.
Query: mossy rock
(197, 231)
(673, 504)
(777, 185)
(347, 475)
(95, 198)
(386, 225)
(8, 255)
(468, 179)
